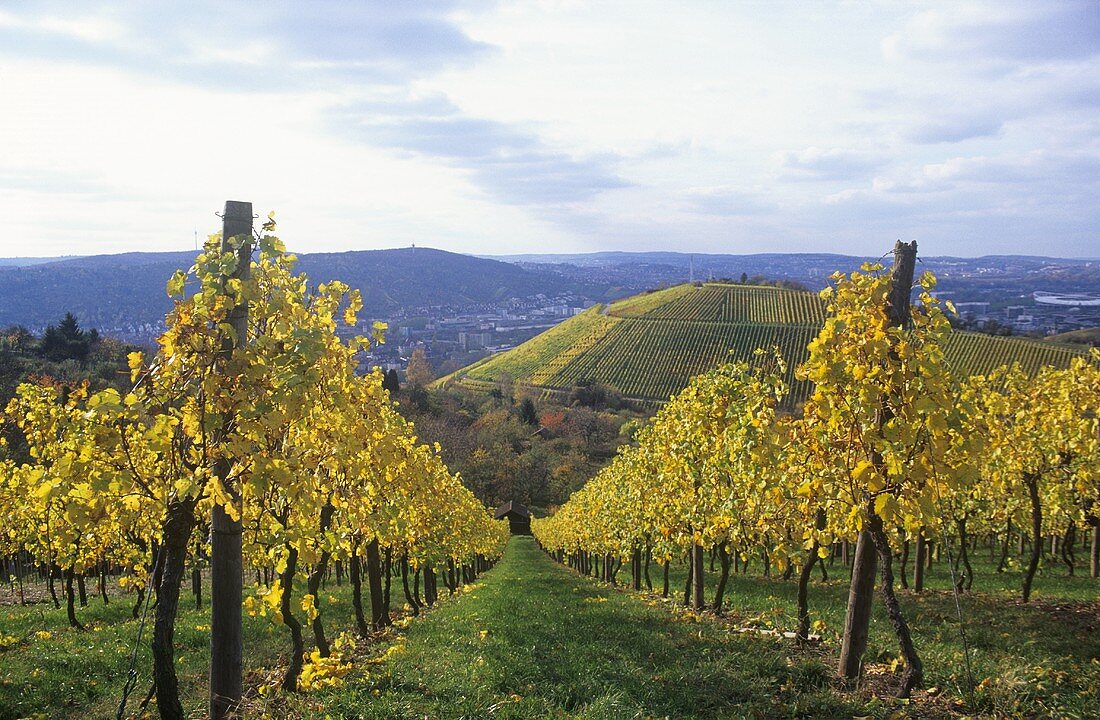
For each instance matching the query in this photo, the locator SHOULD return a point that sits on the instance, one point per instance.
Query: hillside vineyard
(891, 448)
(649, 346)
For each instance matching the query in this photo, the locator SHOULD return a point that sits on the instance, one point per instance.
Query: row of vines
(565, 339)
(650, 359)
(892, 445)
(648, 346)
(278, 431)
(733, 304)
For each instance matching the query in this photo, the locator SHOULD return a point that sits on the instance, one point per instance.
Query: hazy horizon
(292, 250)
(535, 126)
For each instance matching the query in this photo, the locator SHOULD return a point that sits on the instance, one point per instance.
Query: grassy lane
(534, 640)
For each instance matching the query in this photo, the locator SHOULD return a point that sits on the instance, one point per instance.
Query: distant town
(461, 308)
(455, 336)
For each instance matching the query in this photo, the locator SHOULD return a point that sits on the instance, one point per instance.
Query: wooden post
(698, 600)
(857, 619)
(1094, 552)
(918, 564)
(226, 570)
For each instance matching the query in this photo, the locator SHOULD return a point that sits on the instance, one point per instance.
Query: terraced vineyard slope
(648, 346)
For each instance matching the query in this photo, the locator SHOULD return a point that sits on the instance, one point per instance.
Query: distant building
(473, 341)
(978, 308)
(1023, 322)
(519, 519)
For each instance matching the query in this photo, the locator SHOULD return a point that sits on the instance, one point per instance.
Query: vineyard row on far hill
(649, 346)
(894, 447)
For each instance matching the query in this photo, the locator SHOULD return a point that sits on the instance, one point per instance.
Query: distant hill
(682, 259)
(24, 261)
(1088, 336)
(648, 346)
(114, 291)
(1001, 280)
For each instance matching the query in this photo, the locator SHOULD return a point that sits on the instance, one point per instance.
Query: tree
(126, 477)
(419, 371)
(66, 341)
(527, 412)
(16, 338)
(391, 382)
(595, 395)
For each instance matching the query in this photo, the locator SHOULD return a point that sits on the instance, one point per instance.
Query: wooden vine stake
(226, 569)
(862, 589)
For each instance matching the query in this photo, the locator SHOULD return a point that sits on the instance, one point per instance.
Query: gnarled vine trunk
(179, 522)
(70, 599)
(1032, 482)
(297, 650)
(379, 616)
(313, 583)
(723, 578)
(355, 575)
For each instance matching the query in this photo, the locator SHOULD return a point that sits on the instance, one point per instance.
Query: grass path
(534, 640)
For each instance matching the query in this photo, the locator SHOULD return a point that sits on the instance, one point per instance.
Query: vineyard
(650, 345)
(249, 455)
(901, 446)
(247, 449)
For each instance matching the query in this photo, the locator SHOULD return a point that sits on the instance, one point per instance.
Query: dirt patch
(881, 681)
(1080, 617)
(33, 594)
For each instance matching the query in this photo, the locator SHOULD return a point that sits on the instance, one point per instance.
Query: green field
(1088, 337)
(533, 639)
(648, 346)
(1036, 660)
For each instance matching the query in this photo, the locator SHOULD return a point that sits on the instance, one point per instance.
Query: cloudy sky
(554, 126)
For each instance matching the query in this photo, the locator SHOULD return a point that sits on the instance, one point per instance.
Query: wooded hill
(111, 291)
(648, 346)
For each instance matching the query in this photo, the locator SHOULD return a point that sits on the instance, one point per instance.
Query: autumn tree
(419, 371)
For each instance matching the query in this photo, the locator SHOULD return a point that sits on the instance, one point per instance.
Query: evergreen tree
(528, 413)
(390, 381)
(67, 341)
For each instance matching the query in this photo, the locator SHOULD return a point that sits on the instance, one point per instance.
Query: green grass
(535, 640)
(1036, 660)
(81, 674)
(532, 639)
(650, 345)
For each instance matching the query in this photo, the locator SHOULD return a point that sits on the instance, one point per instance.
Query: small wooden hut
(519, 519)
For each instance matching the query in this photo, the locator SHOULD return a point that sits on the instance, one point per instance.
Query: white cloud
(829, 164)
(530, 125)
